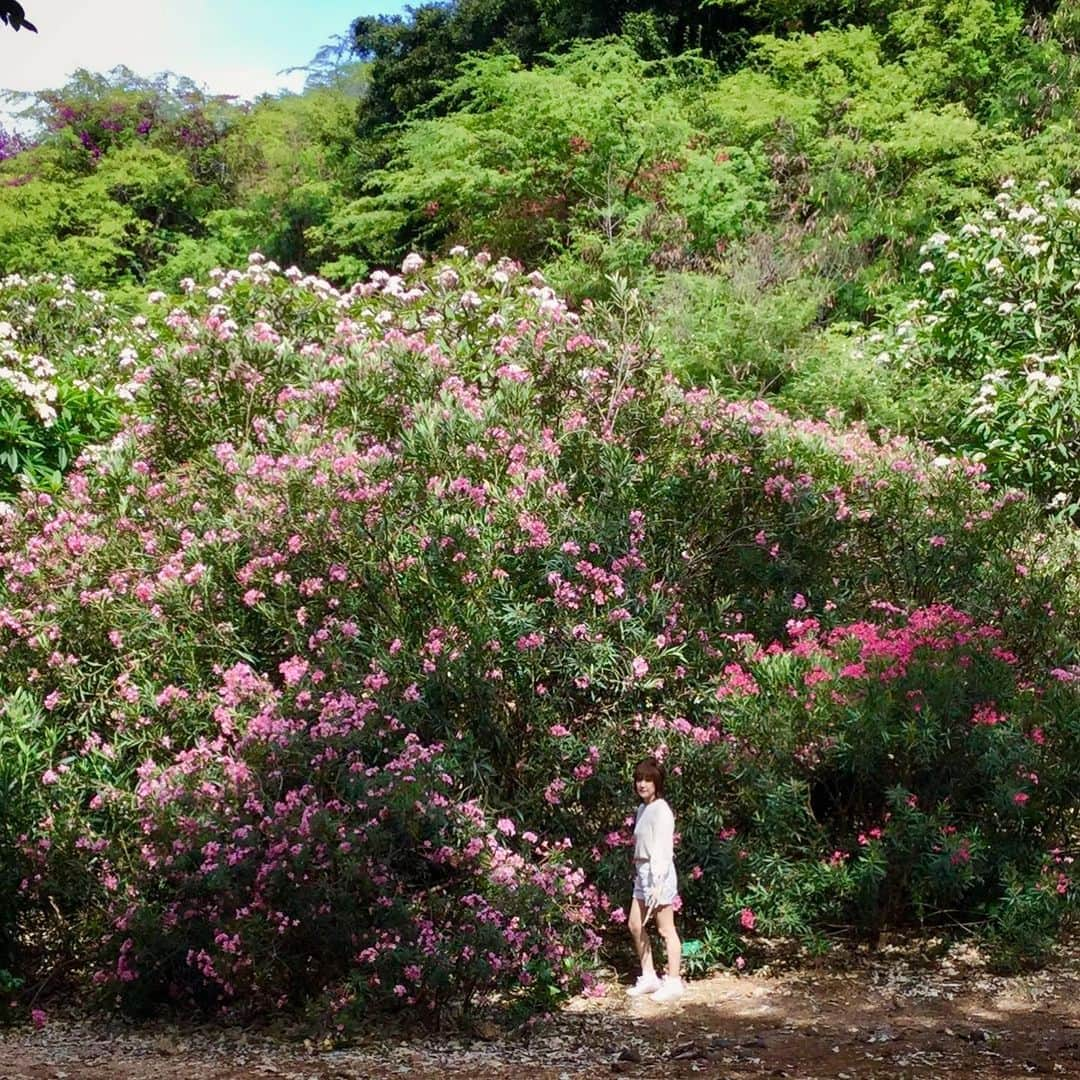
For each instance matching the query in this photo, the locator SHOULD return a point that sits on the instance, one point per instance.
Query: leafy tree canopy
(413, 56)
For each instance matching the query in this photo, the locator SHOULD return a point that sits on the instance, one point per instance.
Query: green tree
(149, 181)
(296, 159)
(586, 161)
(414, 56)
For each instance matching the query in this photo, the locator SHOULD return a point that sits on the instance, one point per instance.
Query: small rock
(631, 1054)
(971, 1035)
(719, 1043)
(687, 1052)
(882, 1035)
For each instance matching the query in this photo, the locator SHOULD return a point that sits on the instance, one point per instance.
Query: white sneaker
(646, 984)
(669, 990)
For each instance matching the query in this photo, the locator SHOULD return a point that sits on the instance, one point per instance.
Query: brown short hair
(650, 769)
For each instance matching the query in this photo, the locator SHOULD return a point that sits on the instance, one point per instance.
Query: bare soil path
(880, 1016)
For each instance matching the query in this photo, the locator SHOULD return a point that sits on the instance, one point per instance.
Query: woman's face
(646, 789)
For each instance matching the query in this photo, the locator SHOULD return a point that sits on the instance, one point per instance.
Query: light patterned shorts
(669, 887)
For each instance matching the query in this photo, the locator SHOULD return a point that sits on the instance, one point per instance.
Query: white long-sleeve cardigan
(654, 838)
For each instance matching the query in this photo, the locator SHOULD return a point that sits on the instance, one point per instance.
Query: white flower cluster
(1031, 381)
(996, 305)
(39, 393)
(988, 392)
(102, 355)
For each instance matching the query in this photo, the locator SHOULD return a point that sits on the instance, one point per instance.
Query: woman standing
(655, 884)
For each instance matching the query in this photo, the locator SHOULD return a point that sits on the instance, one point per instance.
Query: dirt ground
(890, 1015)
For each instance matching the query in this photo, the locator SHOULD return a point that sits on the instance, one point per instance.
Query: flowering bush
(997, 306)
(69, 366)
(350, 639)
(12, 143)
(910, 757)
(300, 857)
(96, 113)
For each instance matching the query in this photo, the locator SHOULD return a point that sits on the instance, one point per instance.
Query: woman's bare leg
(665, 923)
(642, 945)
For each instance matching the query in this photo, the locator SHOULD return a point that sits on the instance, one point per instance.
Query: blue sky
(230, 46)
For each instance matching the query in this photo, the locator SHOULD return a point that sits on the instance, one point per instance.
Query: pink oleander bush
(346, 645)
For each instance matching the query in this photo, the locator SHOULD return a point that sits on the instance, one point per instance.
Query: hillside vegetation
(387, 467)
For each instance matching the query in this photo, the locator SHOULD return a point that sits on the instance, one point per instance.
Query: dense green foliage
(140, 181)
(585, 160)
(413, 58)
